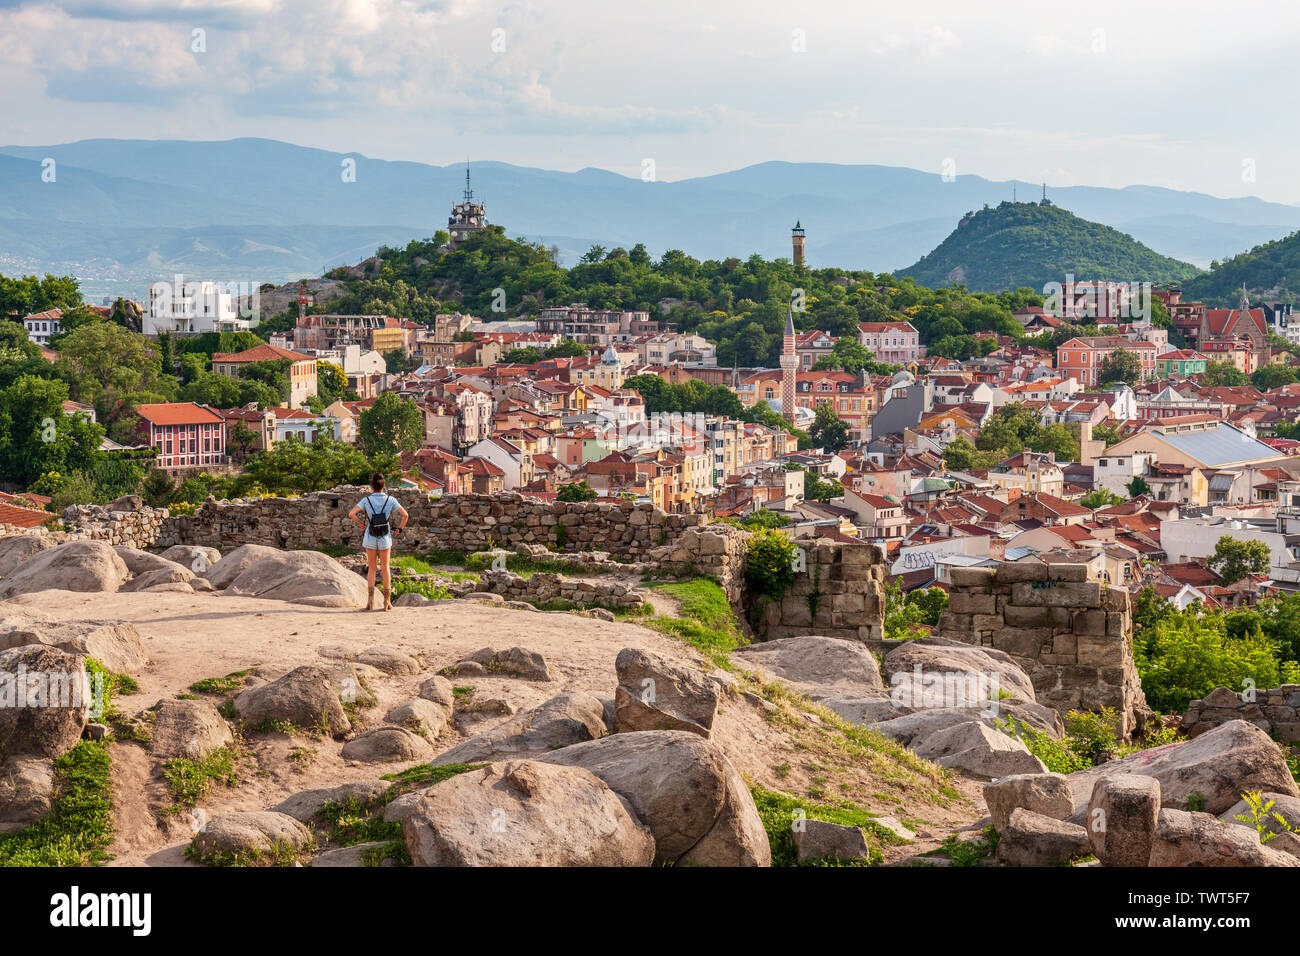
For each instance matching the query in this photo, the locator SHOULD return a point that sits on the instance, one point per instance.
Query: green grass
(779, 811)
(969, 852)
(419, 778)
(351, 822)
(280, 854)
(80, 825)
(706, 620)
(430, 589)
(222, 685)
(418, 564)
(188, 781)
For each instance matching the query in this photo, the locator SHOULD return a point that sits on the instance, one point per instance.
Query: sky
(1194, 95)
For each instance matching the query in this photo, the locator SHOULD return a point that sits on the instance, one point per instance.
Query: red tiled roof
(262, 353)
(178, 413)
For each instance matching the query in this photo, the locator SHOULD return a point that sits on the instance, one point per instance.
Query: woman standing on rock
(378, 509)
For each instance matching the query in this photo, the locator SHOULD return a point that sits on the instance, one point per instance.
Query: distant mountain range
(122, 213)
(1030, 244)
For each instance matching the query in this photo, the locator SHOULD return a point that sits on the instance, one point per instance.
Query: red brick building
(186, 434)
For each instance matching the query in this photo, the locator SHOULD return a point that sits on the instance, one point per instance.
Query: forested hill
(1268, 271)
(1031, 244)
(739, 304)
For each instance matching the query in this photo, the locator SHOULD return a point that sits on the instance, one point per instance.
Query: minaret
(796, 239)
(789, 362)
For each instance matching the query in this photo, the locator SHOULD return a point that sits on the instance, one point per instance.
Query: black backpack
(377, 523)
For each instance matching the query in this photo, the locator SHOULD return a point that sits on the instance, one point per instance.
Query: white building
(1114, 472)
(42, 325)
(1191, 538)
(192, 306)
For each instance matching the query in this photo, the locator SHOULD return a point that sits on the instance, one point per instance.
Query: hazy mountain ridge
(295, 198)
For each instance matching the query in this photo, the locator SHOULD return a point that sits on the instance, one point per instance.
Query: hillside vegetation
(1270, 271)
(1032, 244)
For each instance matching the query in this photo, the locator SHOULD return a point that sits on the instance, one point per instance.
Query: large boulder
(912, 729)
(387, 745)
(299, 577)
(567, 719)
(1122, 817)
(189, 729)
(525, 813)
(817, 667)
(513, 662)
(655, 693)
(45, 700)
(196, 557)
(820, 840)
(1047, 794)
(140, 562)
(937, 673)
(861, 710)
(306, 697)
(26, 791)
(226, 569)
(1220, 765)
(306, 804)
(71, 566)
(423, 716)
(174, 578)
(18, 548)
(115, 644)
(684, 789)
(1283, 805)
(251, 835)
(1199, 839)
(980, 751)
(1032, 839)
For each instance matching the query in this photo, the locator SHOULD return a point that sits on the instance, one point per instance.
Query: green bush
(1188, 654)
(769, 563)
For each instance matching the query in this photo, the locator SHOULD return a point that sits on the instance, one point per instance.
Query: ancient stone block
(1067, 572)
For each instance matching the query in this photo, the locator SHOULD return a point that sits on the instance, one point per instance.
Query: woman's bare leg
(370, 577)
(388, 587)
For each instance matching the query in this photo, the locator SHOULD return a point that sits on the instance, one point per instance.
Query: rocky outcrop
(684, 789)
(817, 667)
(980, 751)
(1033, 839)
(930, 673)
(47, 697)
(71, 566)
(232, 565)
(1218, 766)
(1122, 817)
(18, 548)
(188, 728)
(115, 644)
(299, 577)
(306, 697)
(567, 719)
(1047, 794)
(525, 813)
(655, 693)
(1198, 839)
(251, 835)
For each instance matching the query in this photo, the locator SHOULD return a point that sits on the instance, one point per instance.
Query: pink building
(893, 342)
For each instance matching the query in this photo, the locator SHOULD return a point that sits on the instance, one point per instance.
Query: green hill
(1270, 271)
(1031, 244)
